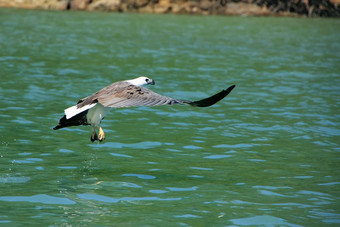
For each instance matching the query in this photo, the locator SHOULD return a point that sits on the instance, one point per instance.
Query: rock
(246, 9)
(105, 5)
(139, 3)
(79, 4)
(36, 4)
(311, 8)
(205, 5)
(62, 5)
(163, 6)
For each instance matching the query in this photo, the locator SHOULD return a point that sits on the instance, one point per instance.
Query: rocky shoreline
(307, 8)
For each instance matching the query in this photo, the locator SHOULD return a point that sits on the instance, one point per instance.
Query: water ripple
(45, 199)
(15, 180)
(174, 189)
(140, 176)
(140, 145)
(106, 199)
(217, 156)
(158, 191)
(264, 220)
(121, 155)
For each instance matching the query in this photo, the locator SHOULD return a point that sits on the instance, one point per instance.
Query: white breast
(96, 114)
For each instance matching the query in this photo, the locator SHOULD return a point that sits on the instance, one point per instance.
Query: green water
(267, 155)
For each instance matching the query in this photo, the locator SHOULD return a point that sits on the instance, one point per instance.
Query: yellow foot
(101, 135)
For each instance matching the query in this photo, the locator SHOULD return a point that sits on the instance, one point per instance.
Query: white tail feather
(73, 110)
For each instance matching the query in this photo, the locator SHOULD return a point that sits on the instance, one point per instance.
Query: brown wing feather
(123, 94)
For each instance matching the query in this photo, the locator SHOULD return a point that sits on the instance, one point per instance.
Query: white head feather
(140, 81)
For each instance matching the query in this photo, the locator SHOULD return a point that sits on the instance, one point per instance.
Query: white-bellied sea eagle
(128, 93)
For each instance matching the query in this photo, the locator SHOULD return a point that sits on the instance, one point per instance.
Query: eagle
(128, 93)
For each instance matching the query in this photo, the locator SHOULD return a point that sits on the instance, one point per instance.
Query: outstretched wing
(123, 94)
(212, 99)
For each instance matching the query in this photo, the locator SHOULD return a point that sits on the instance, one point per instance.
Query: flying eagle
(128, 93)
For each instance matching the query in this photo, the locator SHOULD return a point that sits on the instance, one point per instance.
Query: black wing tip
(228, 90)
(212, 99)
(57, 127)
(61, 123)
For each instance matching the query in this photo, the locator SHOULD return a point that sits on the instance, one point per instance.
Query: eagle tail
(212, 99)
(79, 119)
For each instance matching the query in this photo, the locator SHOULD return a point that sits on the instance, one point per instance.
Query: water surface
(267, 155)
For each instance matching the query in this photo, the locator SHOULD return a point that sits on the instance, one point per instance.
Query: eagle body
(92, 109)
(96, 114)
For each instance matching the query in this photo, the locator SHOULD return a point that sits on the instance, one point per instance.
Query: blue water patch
(330, 183)
(217, 156)
(14, 180)
(327, 131)
(299, 205)
(152, 163)
(271, 187)
(106, 199)
(118, 184)
(174, 189)
(158, 191)
(67, 167)
(187, 216)
(303, 177)
(141, 145)
(25, 153)
(21, 120)
(256, 160)
(241, 145)
(264, 220)
(22, 161)
(36, 93)
(35, 159)
(236, 201)
(182, 123)
(41, 198)
(121, 155)
(99, 198)
(332, 220)
(172, 150)
(195, 176)
(200, 168)
(192, 147)
(270, 193)
(313, 193)
(68, 72)
(65, 151)
(140, 176)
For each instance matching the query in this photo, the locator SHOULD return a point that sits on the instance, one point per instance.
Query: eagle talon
(94, 138)
(101, 135)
